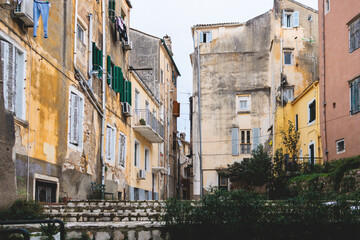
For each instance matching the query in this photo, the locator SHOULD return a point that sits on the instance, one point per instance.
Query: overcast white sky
(175, 18)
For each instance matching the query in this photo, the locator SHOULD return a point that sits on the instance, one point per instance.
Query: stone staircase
(102, 220)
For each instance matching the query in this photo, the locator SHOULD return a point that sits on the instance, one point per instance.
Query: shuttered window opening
(97, 57)
(256, 137)
(245, 142)
(110, 143)
(112, 10)
(355, 96)
(354, 35)
(76, 106)
(290, 19)
(235, 141)
(12, 75)
(122, 150)
(312, 111)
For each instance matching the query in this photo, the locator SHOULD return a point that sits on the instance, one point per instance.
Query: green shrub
(22, 210)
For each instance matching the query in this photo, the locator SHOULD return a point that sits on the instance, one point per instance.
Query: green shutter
(100, 62)
(122, 87)
(112, 10)
(356, 93)
(109, 70)
(129, 93)
(114, 79)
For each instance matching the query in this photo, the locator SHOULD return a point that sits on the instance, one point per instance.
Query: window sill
(311, 123)
(244, 112)
(340, 152)
(21, 122)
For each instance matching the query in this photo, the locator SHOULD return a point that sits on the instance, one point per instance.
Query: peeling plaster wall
(236, 61)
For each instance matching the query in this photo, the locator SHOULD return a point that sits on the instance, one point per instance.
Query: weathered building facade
(152, 60)
(67, 104)
(339, 53)
(241, 71)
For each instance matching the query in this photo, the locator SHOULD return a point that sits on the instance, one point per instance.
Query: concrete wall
(337, 68)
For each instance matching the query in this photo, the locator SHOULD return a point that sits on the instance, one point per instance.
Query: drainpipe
(168, 142)
(323, 82)
(75, 30)
(199, 106)
(102, 140)
(90, 48)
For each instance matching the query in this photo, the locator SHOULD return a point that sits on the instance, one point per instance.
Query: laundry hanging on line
(120, 28)
(41, 8)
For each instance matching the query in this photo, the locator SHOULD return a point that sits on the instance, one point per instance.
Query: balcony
(148, 126)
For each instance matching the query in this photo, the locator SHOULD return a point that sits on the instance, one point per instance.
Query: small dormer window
(205, 37)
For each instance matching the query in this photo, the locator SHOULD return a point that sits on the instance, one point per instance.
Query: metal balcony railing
(146, 118)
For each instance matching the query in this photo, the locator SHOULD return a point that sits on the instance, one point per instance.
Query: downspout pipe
(323, 80)
(90, 49)
(199, 106)
(75, 30)
(102, 140)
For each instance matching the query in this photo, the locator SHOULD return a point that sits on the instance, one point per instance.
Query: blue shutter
(201, 37)
(256, 137)
(210, 36)
(295, 19)
(283, 19)
(235, 141)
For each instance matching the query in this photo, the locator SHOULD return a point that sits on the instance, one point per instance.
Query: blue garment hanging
(41, 8)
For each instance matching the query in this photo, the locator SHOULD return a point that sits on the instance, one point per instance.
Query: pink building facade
(339, 71)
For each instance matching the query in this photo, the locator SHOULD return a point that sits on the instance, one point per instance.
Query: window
(327, 6)
(296, 122)
(311, 112)
(355, 96)
(136, 194)
(147, 159)
(288, 94)
(245, 142)
(122, 150)
(97, 59)
(137, 99)
(354, 35)
(243, 103)
(12, 66)
(312, 153)
(340, 146)
(235, 141)
(112, 10)
(205, 37)
(75, 123)
(137, 154)
(80, 33)
(223, 182)
(288, 58)
(290, 19)
(147, 195)
(110, 143)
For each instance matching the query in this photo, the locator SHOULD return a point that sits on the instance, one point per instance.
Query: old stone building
(67, 104)
(240, 73)
(152, 60)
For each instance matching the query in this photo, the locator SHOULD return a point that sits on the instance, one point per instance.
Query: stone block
(118, 235)
(102, 235)
(144, 235)
(156, 235)
(73, 234)
(131, 235)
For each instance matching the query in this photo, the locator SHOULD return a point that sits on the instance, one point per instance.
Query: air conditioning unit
(141, 174)
(24, 11)
(126, 109)
(128, 45)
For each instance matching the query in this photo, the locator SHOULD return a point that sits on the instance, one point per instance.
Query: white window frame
(112, 144)
(147, 163)
(78, 147)
(20, 78)
(241, 98)
(312, 143)
(137, 160)
(311, 101)
(337, 141)
(122, 152)
(286, 15)
(38, 176)
(327, 6)
(80, 33)
(291, 58)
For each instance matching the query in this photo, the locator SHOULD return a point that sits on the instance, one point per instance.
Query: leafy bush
(22, 210)
(243, 215)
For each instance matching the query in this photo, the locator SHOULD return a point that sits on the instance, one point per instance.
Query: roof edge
(169, 53)
(304, 6)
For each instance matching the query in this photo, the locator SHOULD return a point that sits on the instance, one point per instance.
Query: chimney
(168, 43)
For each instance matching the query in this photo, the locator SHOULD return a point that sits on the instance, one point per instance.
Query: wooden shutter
(109, 70)
(129, 99)
(115, 78)
(75, 117)
(210, 36)
(235, 141)
(201, 37)
(284, 20)
(256, 137)
(296, 19)
(8, 74)
(107, 143)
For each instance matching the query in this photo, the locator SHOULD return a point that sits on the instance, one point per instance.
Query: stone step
(106, 203)
(64, 209)
(105, 216)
